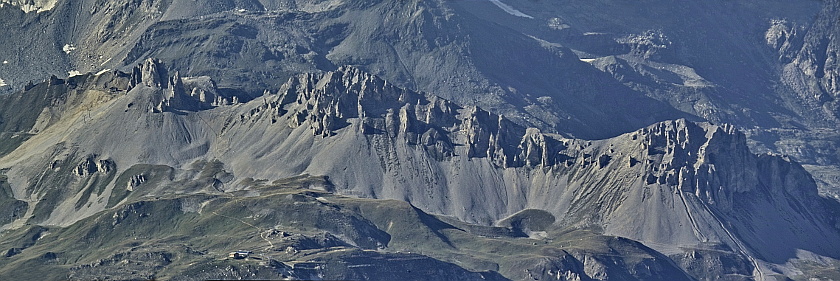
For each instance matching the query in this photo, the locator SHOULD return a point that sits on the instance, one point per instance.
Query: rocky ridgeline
(177, 93)
(326, 102)
(709, 164)
(712, 162)
(688, 156)
(171, 93)
(691, 157)
(715, 164)
(672, 185)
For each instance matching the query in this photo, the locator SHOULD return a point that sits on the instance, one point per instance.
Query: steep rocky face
(818, 57)
(811, 56)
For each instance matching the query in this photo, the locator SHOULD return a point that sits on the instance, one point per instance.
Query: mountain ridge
(314, 117)
(524, 123)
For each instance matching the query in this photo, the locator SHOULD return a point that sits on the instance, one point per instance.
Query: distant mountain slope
(637, 69)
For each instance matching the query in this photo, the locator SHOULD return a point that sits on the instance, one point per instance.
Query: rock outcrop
(93, 164)
(173, 93)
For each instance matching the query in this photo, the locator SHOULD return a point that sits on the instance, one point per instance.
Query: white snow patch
(510, 10)
(2, 83)
(74, 73)
(68, 48)
(557, 24)
(321, 6)
(103, 71)
(30, 5)
(5, 62)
